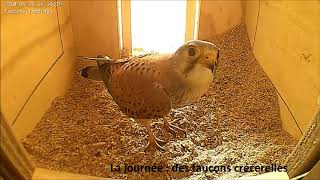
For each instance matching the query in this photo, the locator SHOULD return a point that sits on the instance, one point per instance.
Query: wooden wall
(126, 25)
(36, 63)
(190, 20)
(37, 52)
(285, 36)
(95, 28)
(218, 16)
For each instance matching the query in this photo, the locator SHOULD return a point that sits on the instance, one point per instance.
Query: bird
(148, 86)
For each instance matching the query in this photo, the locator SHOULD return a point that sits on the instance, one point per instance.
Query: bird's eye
(192, 51)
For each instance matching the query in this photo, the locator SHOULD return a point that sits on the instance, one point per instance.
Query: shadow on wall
(14, 60)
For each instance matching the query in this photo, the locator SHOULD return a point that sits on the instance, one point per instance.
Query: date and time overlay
(29, 7)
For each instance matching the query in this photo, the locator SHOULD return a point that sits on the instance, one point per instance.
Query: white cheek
(200, 76)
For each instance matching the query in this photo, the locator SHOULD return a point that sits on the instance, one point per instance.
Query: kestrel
(147, 87)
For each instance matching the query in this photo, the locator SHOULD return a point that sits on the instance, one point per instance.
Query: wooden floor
(46, 174)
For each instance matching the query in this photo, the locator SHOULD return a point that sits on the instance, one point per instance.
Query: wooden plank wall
(36, 63)
(126, 25)
(95, 28)
(217, 17)
(285, 36)
(190, 20)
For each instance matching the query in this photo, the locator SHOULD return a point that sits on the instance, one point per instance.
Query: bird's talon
(154, 123)
(160, 141)
(169, 129)
(151, 147)
(174, 129)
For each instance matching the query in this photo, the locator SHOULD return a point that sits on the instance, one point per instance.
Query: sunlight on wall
(158, 25)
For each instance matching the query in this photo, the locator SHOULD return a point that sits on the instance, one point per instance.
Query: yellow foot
(160, 141)
(173, 129)
(152, 146)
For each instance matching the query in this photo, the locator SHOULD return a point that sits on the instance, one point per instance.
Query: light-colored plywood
(126, 25)
(46, 174)
(217, 17)
(287, 45)
(30, 44)
(251, 17)
(269, 176)
(53, 84)
(190, 19)
(95, 28)
(288, 122)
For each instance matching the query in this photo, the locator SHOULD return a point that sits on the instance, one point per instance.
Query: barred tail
(99, 73)
(98, 58)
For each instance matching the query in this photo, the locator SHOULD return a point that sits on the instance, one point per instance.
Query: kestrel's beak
(213, 65)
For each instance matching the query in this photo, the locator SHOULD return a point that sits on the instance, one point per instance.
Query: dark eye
(192, 51)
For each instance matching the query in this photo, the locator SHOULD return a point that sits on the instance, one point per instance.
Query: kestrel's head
(196, 52)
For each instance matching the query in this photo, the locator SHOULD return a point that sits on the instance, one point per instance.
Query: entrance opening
(157, 26)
